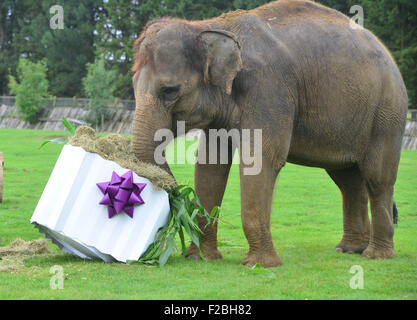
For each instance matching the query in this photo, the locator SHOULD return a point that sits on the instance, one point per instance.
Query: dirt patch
(115, 147)
(14, 255)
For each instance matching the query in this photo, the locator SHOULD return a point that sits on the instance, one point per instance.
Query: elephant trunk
(147, 120)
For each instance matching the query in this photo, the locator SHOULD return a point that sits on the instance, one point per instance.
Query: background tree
(10, 11)
(108, 28)
(117, 28)
(65, 51)
(395, 23)
(121, 21)
(31, 88)
(98, 88)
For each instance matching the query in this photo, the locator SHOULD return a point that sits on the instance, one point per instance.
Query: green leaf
(183, 248)
(56, 141)
(202, 256)
(256, 266)
(214, 212)
(191, 234)
(59, 140)
(44, 143)
(195, 212)
(70, 127)
(167, 252)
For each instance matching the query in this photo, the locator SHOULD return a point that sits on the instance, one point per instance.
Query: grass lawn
(306, 226)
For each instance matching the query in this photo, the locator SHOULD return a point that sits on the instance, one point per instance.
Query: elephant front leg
(210, 183)
(257, 192)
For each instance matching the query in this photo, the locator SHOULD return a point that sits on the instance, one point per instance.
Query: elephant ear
(222, 58)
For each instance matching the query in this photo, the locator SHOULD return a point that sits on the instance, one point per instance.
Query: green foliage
(98, 88)
(184, 210)
(26, 30)
(70, 127)
(31, 88)
(70, 49)
(9, 10)
(121, 21)
(108, 28)
(117, 28)
(395, 23)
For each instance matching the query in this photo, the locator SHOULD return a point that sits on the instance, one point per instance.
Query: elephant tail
(395, 214)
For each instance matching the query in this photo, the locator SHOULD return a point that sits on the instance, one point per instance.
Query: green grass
(306, 225)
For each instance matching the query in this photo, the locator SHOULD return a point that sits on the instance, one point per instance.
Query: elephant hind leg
(379, 170)
(356, 226)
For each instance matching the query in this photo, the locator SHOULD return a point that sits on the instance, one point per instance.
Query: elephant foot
(265, 259)
(378, 253)
(352, 246)
(209, 252)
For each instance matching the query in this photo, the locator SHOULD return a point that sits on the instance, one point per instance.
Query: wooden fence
(120, 115)
(51, 119)
(410, 134)
(73, 102)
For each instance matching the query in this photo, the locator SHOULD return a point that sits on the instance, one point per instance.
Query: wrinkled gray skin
(324, 94)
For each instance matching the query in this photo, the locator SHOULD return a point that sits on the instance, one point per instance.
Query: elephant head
(182, 72)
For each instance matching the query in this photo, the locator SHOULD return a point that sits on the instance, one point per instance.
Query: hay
(115, 147)
(14, 255)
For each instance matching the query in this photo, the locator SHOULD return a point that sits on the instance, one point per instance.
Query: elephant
(325, 92)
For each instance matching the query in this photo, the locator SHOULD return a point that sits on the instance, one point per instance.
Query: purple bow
(121, 194)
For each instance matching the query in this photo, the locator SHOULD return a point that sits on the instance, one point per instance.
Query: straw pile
(115, 147)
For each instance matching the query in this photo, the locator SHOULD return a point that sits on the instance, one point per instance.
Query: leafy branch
(185, 207)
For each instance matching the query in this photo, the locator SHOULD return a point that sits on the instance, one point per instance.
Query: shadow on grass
(67, 259)
(55, 259)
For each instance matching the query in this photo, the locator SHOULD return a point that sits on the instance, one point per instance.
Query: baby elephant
(325, 93)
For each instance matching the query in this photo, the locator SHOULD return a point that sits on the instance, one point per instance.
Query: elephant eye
(170, 93)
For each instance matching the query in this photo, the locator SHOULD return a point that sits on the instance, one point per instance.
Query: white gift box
(69, 212)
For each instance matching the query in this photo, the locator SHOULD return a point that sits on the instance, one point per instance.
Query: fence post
(1, 176)
(54, 102)
(74, 101)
